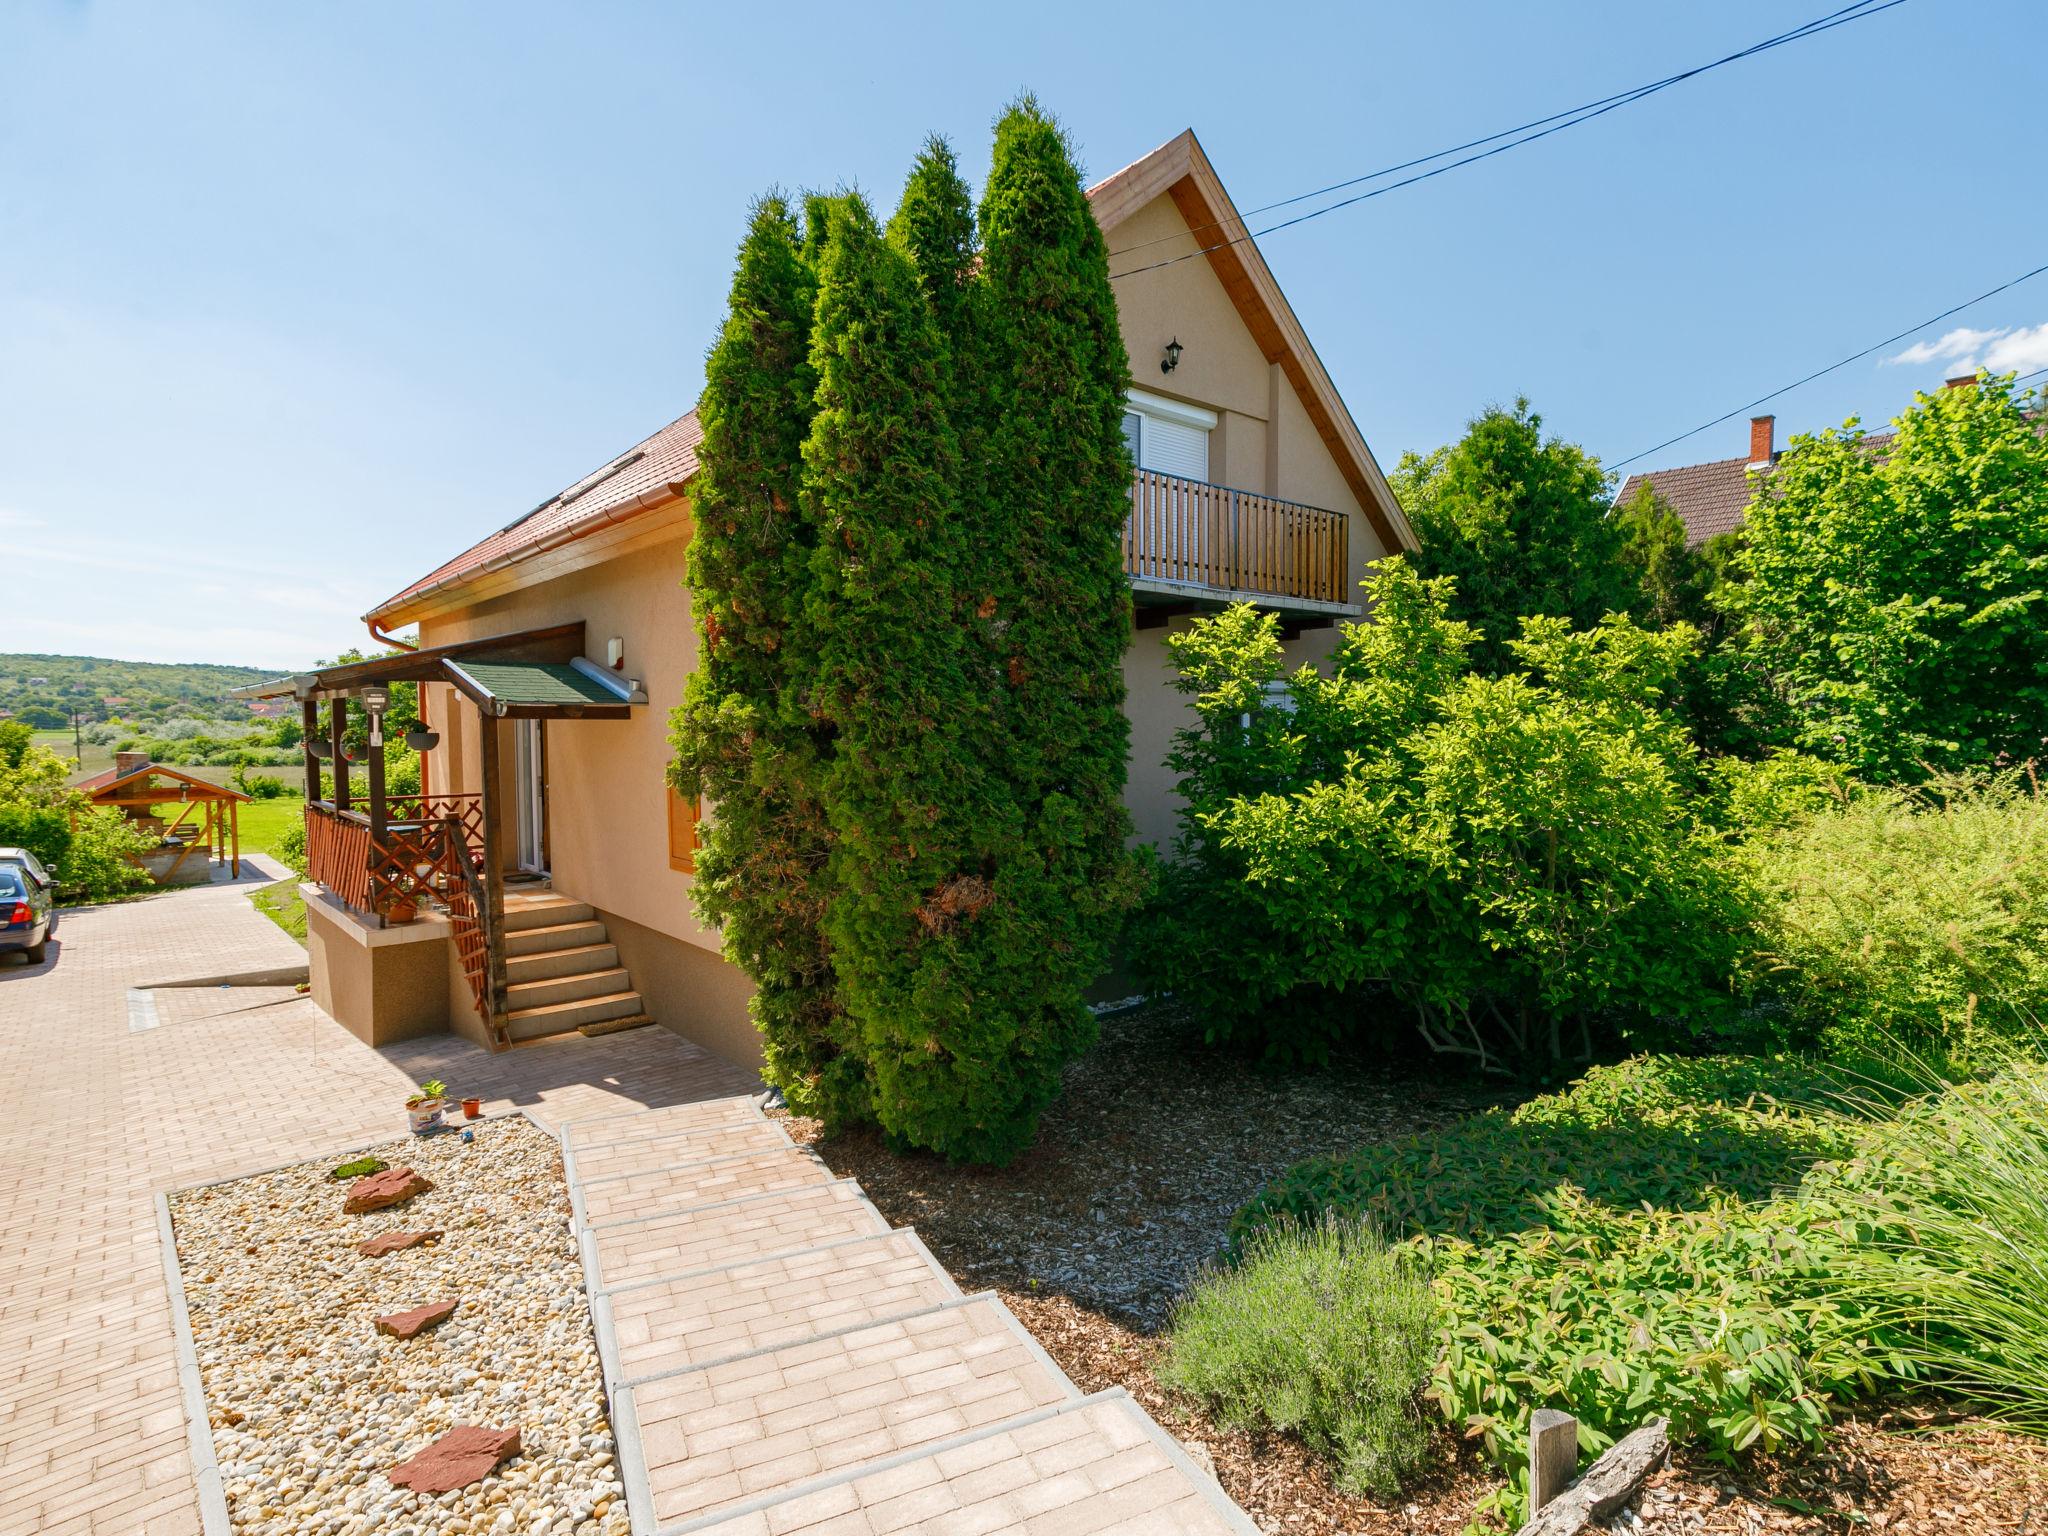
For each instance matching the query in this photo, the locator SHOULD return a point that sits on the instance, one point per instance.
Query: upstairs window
(1168, 435)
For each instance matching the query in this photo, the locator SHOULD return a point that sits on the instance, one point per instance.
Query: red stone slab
(461, 1457)
(394, 1242)
(406, 1325)
(377, 1191)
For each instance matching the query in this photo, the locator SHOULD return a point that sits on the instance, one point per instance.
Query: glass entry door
(529, 797)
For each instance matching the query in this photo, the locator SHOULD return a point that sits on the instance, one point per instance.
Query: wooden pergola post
(309, 732)
(494, 861)
(235, 833)
(337, 729)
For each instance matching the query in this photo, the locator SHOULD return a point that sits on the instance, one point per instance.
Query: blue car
(27, 912)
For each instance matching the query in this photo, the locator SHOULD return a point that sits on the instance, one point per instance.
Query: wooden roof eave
(558, 642)
(1179, 169)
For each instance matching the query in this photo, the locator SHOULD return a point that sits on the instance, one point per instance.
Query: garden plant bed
(1137, 1170)
(310, 1405)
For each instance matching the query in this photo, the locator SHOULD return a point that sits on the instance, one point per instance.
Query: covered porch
(406, 869)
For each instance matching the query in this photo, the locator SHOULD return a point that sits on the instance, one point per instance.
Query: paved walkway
(101, 1105)
(780, 1360)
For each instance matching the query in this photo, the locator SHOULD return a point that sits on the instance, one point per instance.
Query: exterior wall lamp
(1172, 359)
(375, 702)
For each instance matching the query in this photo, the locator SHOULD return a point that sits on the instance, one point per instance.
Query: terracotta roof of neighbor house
(649, 474)
(1708, 498)
(655, 471)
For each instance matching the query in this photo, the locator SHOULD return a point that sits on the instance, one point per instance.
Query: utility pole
(78, 737)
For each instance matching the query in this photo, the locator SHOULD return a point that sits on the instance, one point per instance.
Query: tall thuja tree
(1056, 478)
(742, 736)
(891, 669)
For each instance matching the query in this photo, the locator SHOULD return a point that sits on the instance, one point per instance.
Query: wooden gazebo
(386, 856)
(206, 823)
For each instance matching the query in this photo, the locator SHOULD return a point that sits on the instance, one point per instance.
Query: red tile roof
(1708, 498)
(646, 475)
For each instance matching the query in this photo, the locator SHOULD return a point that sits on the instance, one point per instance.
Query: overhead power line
(1875, 346)
(1526, 133)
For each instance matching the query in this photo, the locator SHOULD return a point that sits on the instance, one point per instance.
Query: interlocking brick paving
(748, 1227)
(628, 1195)
(678, 1323)
(698, 1145)
(95, 1117)
(766, 1421)
(1097, 1468)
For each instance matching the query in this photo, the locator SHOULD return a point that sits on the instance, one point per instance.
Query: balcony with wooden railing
(1190, 540)
(427, 861)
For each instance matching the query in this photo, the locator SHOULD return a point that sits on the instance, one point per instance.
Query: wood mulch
(1157, 1140)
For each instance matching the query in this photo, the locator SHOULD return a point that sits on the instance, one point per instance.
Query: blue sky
(297, 300)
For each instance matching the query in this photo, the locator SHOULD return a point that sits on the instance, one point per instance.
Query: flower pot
(424, 1115)
(471, 1108)
(401, 909)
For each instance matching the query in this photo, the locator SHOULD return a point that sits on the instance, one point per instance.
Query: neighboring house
(553, 650)
(1710, 499)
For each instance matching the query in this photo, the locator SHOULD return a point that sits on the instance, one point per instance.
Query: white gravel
(310, 1405)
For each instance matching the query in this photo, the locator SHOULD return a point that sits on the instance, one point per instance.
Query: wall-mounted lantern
(375, 702)
(1172, 359)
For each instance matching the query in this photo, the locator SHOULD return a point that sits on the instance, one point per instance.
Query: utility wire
(1544, 127)
(1876, 346)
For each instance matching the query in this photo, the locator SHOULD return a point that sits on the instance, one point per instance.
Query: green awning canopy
(538, 689)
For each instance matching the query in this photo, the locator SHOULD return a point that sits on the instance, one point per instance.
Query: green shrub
(1322, 1331)
(1669, 1132)
(1956, 1192)
(98, 866)
(291, 845)
(1910, 918)
(1519, 861)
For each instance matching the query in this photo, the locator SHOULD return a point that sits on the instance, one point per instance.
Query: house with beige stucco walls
(539, 882)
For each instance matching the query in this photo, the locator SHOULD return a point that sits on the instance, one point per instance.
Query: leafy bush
(1957, 1191)
(1629, 1247)
(1516, 860)
(1322, 1331)
(291, 846)
(1671, 1132)
(86, 849)
(1897, 597)
(1916, 918)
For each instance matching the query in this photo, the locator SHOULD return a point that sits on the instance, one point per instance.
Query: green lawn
(284, 906)
(263, 822)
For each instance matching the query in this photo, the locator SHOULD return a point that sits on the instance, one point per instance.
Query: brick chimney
(126, 763)
(1962, 381)
(1763, 438)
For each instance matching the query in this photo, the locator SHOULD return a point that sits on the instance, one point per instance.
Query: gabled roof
(102, 784)
(1179, 169)
(650, 474)
(1708, 498)
(655, 472)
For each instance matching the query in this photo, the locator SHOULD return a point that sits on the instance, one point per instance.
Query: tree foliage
(1521, 523)
(910, 597)
(1513, 860)
(86, 848)
(745, 736)
(1899, 596)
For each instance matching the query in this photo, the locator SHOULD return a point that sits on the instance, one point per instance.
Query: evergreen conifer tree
(893, 673)
(741, 736)
(1047, 406)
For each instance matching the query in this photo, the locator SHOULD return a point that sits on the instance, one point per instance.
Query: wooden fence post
(1553, 1456)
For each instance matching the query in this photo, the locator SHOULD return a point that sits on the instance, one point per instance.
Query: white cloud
(9, 518)
(2010, 349)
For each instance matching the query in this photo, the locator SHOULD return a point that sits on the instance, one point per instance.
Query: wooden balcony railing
(1195, 534)
(423, 861)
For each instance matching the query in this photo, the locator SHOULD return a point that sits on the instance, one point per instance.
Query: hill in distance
(35, 687)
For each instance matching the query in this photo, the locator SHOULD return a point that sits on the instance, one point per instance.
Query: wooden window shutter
(684, 812)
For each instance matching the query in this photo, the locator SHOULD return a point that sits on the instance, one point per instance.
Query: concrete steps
(563, 972)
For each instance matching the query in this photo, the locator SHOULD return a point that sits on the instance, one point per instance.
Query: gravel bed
(1153, 1144)
(310, 1405)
